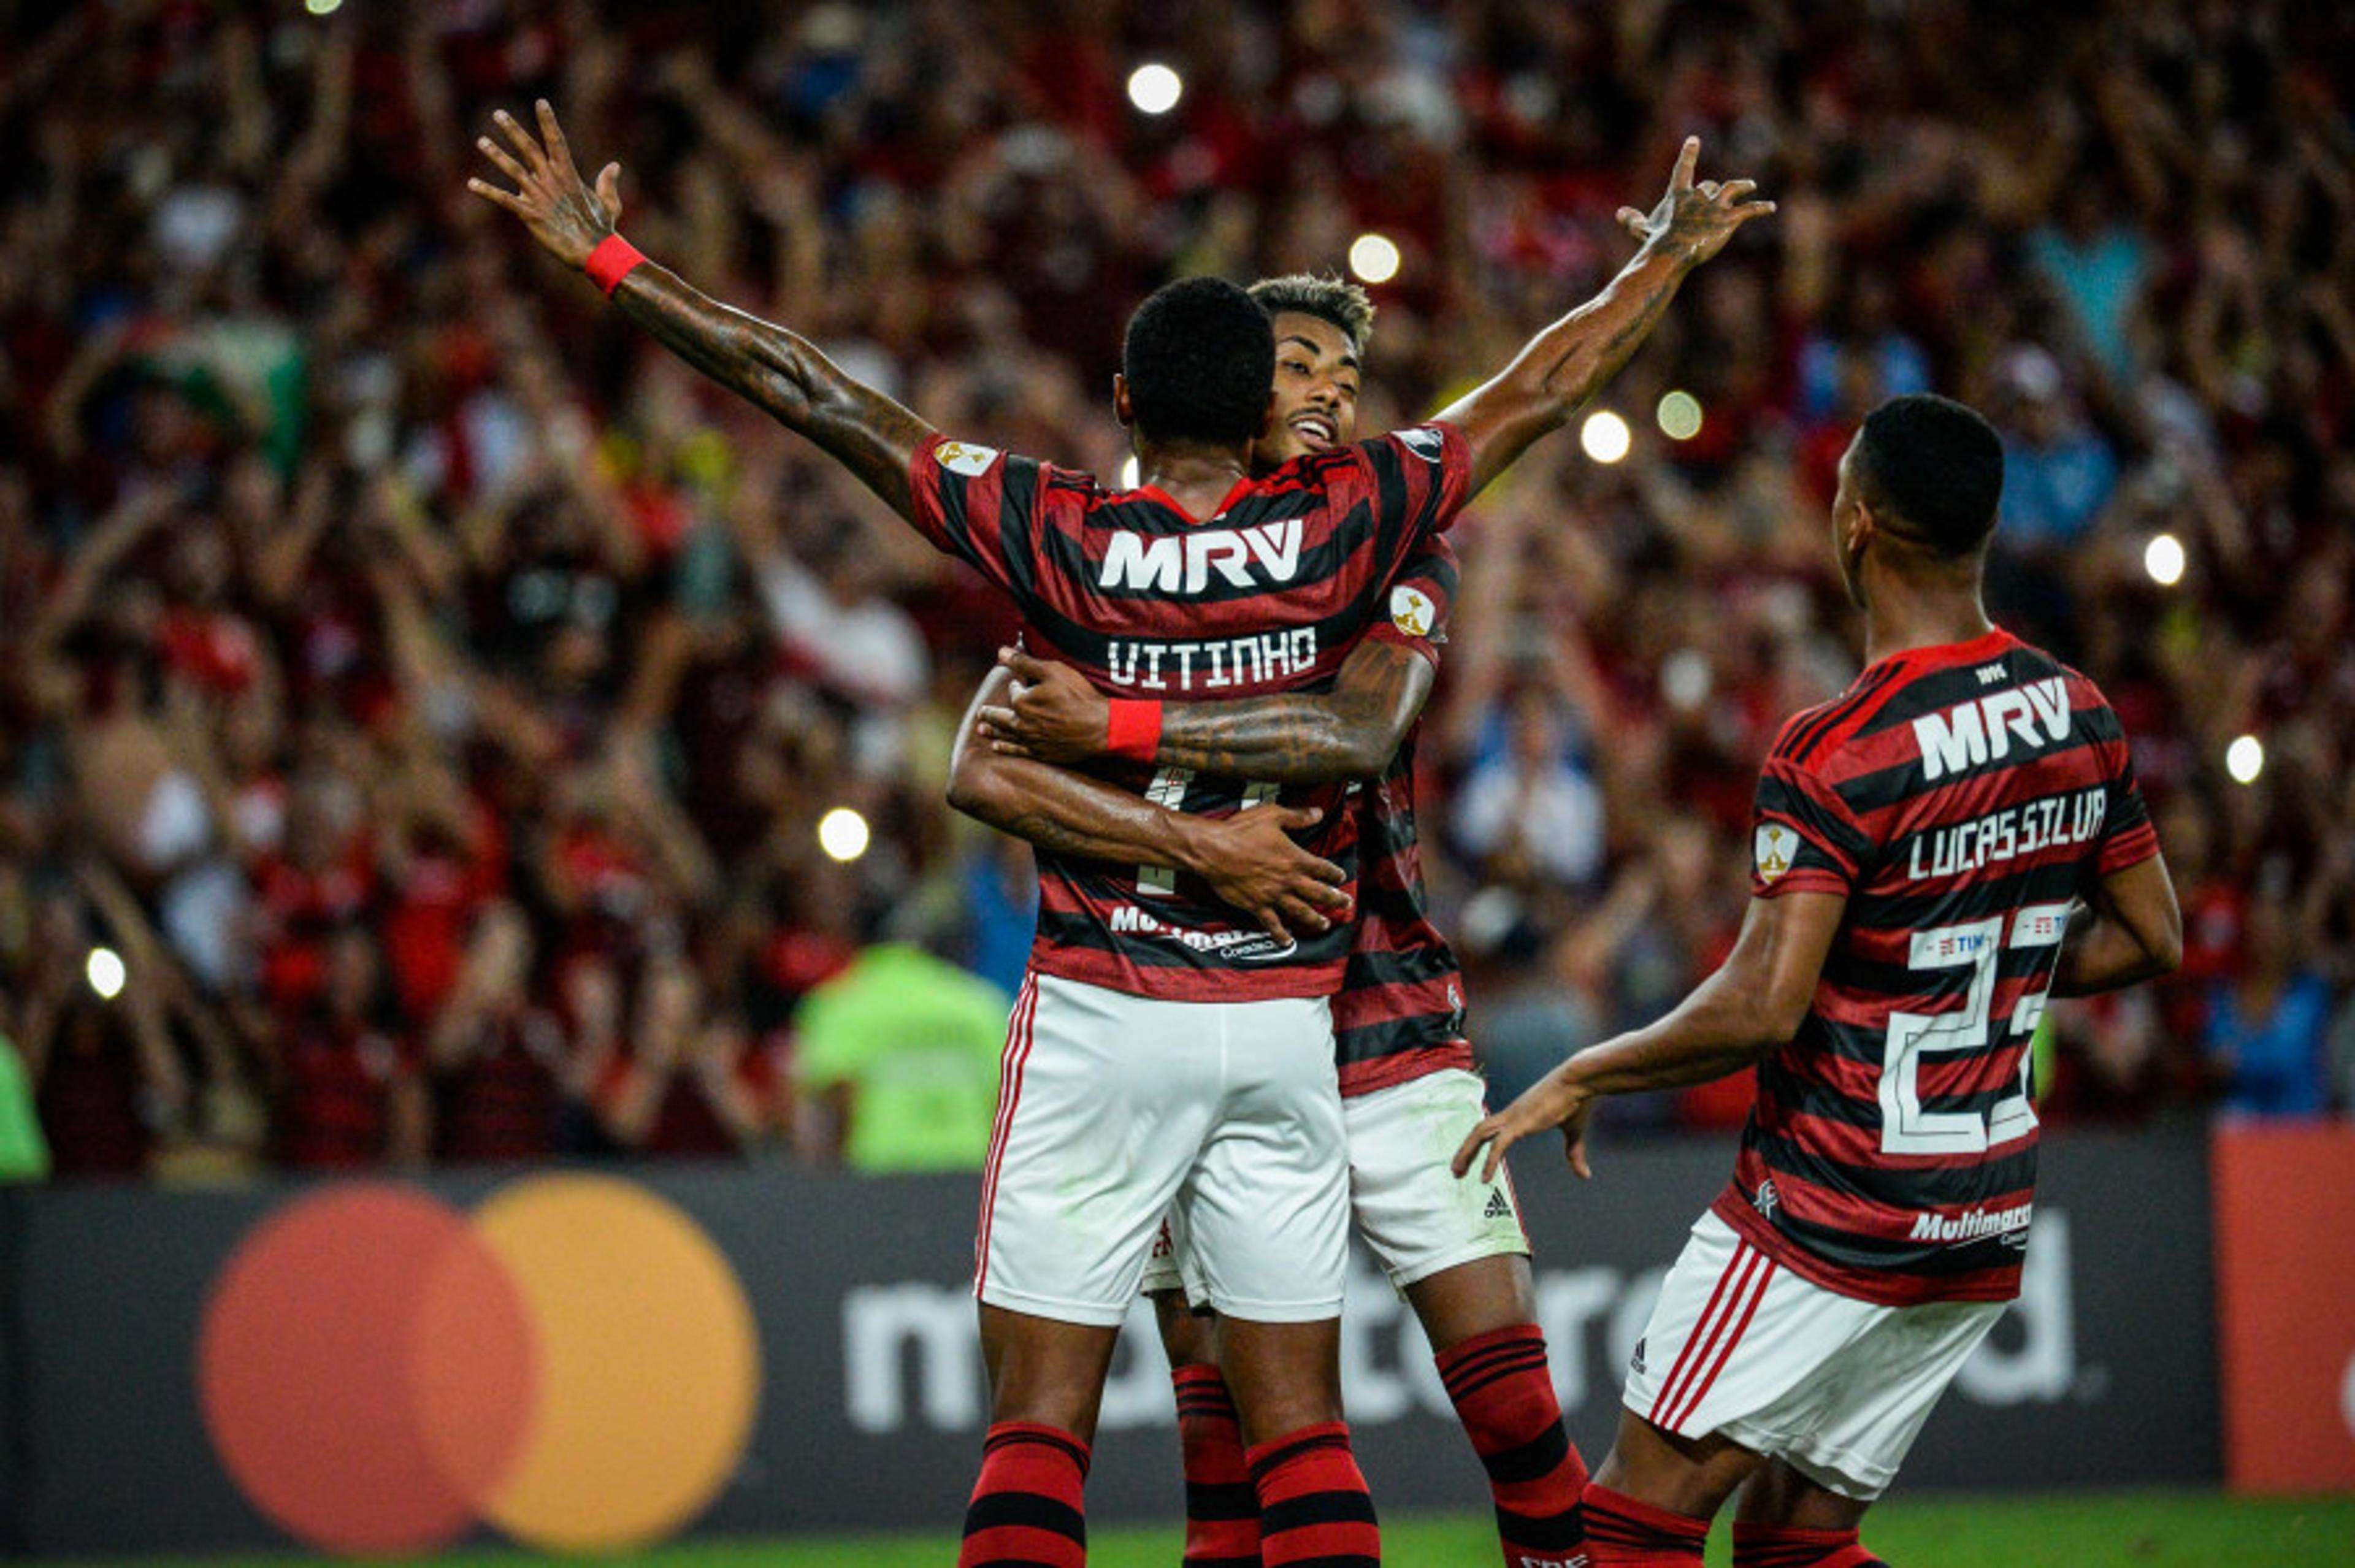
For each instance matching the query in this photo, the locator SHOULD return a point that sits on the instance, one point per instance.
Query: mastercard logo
(574, 1362)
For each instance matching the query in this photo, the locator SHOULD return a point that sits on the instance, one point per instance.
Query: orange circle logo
(577, 1365)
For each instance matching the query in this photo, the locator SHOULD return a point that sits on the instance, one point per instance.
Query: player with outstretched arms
(1140, 1069)
(1954, 838)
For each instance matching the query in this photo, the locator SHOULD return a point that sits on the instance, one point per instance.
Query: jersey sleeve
(1417, 480)
(2128, 836)
(1804, 838)
(1421, 600)
(977, 504)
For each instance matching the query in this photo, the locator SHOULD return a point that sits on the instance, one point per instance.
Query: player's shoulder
(1811, 737)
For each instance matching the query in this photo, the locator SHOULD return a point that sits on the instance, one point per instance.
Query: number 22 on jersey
(1906, 1127)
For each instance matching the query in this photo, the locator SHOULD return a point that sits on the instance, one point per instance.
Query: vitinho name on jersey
(1208, 667)
(1975, 1225)
(2008, 834)
(1970, 733)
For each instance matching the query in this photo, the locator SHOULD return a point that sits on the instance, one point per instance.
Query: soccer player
(1954, 838)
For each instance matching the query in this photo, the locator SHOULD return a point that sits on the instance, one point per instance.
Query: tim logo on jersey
(1969, 734)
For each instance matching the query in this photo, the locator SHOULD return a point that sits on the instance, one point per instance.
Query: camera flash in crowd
(1374, 258)
(322, 8)
(842, 834)
(2163, 558)
(1604, 435)
(1679, 416)
(1130, 475)
(2244, 759)
(1155, 89)
(107, 972)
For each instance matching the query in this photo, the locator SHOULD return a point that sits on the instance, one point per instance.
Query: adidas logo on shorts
(1498, 1207)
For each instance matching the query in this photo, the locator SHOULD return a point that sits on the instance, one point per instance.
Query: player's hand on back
(554, 203)
(1055, 715)
(1251, 863)
(1696, 219)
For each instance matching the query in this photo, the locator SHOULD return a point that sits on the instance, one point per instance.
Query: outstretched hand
(1551, 1102)
(1054, 716)
(1695, 219)
(554, 203)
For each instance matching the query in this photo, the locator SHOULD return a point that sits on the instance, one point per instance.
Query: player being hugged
(1953, 839)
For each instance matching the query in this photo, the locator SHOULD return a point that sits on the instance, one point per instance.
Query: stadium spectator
(898, 1058)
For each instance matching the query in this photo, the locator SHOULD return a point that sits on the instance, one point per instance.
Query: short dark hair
(1199, 358)
(1325, 296)
(1933, 469)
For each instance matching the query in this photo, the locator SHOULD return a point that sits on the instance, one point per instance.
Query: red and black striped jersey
(1400, 1012)
(1962, 798)
(1267, 595)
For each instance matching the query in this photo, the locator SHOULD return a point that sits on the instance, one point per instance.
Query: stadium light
(107, 972)
(1374, 258)
(1155, 89)
(1679, 416)
(1604, 435)
(842, 834)
(322, 8)
(2244, 759)
(2163, 558)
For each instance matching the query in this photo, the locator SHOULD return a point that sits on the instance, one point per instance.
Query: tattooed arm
(1247, 858)
(1567, 362)
(1350, 733)
(777, 371)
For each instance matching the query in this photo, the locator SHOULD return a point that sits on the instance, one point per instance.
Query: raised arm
(1350, 733)
(1755, 1002)
(1562, 366)
(777, 371)
(2128, 929)
(1248, 859)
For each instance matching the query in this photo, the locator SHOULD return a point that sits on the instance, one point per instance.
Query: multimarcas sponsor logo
(1972, 1225)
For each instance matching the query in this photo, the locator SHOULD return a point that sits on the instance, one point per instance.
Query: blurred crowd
(419, 694)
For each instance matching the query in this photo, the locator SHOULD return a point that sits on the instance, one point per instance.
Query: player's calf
(1314, 1509)
(1503, 1392)
(1221, 1503)
(1622, 1532)
(1786, 1546)
(1025, 1507)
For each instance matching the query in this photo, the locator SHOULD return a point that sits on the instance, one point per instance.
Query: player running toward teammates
(1956, 837)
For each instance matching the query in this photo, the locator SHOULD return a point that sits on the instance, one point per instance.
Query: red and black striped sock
(1026, 1510)
(1504, 1395)
(1221, 1504)
(1782, 1546)
(1623, 1534)
(1314, 1509)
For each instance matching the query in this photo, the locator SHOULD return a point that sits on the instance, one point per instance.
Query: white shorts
(1415, 1216)
(1113, 1108)
(1836, 1387)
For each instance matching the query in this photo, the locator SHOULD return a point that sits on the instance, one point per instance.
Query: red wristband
(1134, 730)
(611, 262)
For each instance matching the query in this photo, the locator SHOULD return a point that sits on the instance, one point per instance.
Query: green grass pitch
(2110, 1529)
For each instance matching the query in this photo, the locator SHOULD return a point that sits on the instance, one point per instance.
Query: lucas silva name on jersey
(2040, 825)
